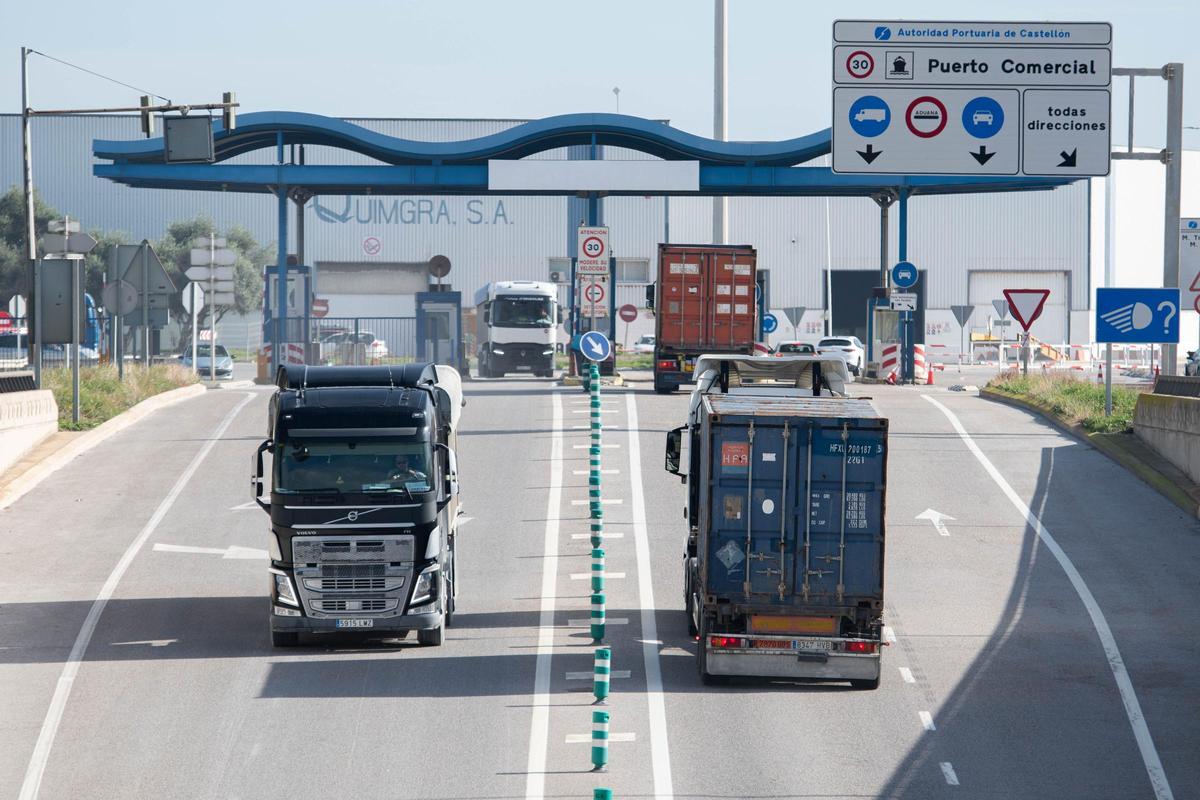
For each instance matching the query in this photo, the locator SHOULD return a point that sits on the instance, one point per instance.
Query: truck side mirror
(560, 315)
(650, 296)
(674, 442)
(256, 477)
(487, 315)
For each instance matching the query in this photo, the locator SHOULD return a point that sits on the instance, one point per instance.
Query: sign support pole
(145, 303)
(1025, 354)
(1173, 73)
(1108, 379)
(909, 371)
(76, 290)
(195, 331)
(212, 317)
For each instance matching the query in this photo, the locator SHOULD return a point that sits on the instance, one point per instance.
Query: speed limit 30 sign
(593, 251)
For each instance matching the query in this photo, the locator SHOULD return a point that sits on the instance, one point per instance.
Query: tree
(175, 249)
(14, 258)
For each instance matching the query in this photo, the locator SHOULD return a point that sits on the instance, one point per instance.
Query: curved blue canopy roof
(420, 167)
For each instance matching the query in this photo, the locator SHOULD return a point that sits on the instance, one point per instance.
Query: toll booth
(883, 328)
(298, 344)
(440, 329)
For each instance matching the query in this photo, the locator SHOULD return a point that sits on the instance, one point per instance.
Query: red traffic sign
(926, 117)
(594, 292)
(320, 307)
(1026, 305)
(6, 320)
(627, 312)
(860, 64)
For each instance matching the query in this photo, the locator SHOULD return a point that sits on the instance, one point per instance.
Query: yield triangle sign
(1026, 304)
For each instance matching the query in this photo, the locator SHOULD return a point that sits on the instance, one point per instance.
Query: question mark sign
(1171, 312)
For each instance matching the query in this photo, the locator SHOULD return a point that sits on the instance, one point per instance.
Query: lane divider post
(601, 674)
(598, 528)
(597, 618)
(599, 741)
(601, 794)
(594, 451)
(597, 569)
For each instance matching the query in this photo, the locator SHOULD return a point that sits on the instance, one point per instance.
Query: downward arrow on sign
(937, 518)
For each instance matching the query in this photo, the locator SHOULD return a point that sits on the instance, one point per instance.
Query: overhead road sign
(1149, 316)
(974, 98)
(593, 251)
(1026, 305)
(595, 346)
(904, 275)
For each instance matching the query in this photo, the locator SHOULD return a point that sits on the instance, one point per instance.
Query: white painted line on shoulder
(583, 576)
(1133, 708)
(948, 773)
(248, 506)
(907, 675)
(539, 725)
(585, 738)
(616, 674)
(66, 679)
(602, 536)
(889, 635)
(660, 754)
(464, 520)
(604, 446)
(927, 720)
(615, 501)
(587, 623)
(602, 472)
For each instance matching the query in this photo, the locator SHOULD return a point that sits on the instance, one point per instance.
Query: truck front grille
(354, 584)
(355, 606)
(331, 569)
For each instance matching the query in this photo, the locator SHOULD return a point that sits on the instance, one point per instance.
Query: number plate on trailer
(816, 645)
(688, 366)
(355, 623)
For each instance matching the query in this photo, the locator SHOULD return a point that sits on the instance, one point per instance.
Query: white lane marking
(616, 674)
(464, 520)
(927, 720)
(938, 520)
(602, 472)
(62, 691)
(151, 642)
(907, 675)
(539, 725)
(244, 506)
(589, 427)
(615, 501)
(660, 755)
(602, 536)
(589, 411)
(1133, 709)
(948, 773)
(585, 623)
(233, 551)
(584, 738)
(889, 635)
(583, 576)
(586, 446)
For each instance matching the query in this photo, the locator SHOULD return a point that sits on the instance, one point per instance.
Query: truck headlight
(497, 351)
(426, 585)
(547, 352)
(283, 589)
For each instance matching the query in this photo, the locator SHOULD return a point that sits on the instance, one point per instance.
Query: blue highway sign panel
(904, 275)
(769, 323)
(1141, 316)
(595, 346)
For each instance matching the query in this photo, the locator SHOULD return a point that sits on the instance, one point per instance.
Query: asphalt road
(998, 683)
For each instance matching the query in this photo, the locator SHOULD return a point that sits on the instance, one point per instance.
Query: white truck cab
(517, 328)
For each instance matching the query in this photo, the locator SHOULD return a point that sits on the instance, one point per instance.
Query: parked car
(374, 348)
(795, 348)
(52, 354)
(224, 365)
(645, 344)
(1192, 365)
(848, 347)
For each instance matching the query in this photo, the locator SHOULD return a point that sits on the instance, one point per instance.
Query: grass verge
(102, 396)
(1073, 401)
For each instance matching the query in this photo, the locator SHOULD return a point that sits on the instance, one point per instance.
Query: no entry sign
(628, 312)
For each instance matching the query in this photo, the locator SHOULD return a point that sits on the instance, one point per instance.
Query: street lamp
(617, 94)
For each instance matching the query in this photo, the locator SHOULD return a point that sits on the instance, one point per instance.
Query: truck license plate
(817, 645)
(355, 623)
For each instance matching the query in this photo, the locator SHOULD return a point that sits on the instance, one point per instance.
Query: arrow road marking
(233, 551)
(151, 642)
(244, 506)
(937, 518)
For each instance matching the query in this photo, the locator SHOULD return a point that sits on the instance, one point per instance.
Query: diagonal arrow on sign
(1026, 304)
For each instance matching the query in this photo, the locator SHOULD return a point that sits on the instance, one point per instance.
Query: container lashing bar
(749, 512)
(808, 516)
(841, 584)
(783, 518)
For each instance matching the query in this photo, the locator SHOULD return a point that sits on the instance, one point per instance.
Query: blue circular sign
(595, 346)
(904, 275)
(1191, 223)
(870, 116)
(982, 117)
(769, 323)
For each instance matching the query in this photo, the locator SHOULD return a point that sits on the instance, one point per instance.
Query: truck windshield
(523, 312)
(377, 466)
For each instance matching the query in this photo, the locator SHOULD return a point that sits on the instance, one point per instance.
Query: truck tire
(664, 388)
(866, 685)
(284, 638)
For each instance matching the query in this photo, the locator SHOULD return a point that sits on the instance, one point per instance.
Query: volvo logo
(352, 516)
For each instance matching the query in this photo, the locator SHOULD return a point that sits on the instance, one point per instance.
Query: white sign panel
(593, 176)
(1189, 262)
(904, 301)
(593, 251)
(593, 295)
(972, 98)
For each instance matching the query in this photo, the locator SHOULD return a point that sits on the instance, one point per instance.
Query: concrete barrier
(1171, 426)
(26, 418)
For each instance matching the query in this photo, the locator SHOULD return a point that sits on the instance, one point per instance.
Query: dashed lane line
(927, 720)
(616, 675)
(948, 773)
(907, 675)
(584, 738)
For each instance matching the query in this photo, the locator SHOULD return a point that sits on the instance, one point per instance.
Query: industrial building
(369, 252)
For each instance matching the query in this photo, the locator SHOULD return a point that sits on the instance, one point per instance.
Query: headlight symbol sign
(1137, 315)
(1134, 316)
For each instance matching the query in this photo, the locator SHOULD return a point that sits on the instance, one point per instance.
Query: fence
(362, 340)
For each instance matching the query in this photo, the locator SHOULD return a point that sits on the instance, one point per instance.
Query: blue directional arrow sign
(595, 346)
(904, 275)
(769, 323)
(1142, 316)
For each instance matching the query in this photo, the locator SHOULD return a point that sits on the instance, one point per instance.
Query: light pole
(617, 94)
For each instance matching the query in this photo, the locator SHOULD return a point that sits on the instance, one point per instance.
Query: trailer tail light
(725, 642)
(860, 647)
(666, 365)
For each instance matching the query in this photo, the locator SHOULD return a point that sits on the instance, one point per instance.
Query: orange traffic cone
(1100, 373)
(928, 376)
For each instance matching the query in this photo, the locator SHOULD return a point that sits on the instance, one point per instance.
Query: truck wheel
(867, 685)
(284, 638)
(664, 388)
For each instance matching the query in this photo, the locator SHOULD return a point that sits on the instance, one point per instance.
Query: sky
(522, 59)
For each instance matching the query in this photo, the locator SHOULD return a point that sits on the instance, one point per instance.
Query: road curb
(1157, 472)
(33, 476)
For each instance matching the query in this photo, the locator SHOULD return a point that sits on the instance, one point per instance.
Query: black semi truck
(363, 500)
